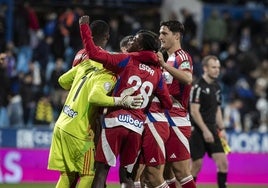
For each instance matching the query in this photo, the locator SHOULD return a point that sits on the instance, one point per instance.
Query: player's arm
(183, 74)
(219, 118)
(220, 123)
(66, 80)
(102, 87)
(222, 133)
(109, 61)
(163, 94)
(196, 115)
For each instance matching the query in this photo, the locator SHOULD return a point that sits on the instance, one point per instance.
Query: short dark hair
(174, 26)
(150, 40)
(100, 29)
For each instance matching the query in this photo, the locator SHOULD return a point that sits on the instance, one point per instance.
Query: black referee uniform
(209, 98)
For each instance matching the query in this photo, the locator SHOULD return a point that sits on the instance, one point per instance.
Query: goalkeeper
(72, 148)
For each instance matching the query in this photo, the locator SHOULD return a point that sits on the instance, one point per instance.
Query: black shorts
(199, 147)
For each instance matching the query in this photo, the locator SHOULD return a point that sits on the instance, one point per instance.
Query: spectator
(57, 91)
(189, 25)
(4, 91)
(215, 28)
(2, 26)
(28, 99)
(231, 114)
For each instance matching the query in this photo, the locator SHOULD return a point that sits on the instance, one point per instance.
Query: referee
(206, 114)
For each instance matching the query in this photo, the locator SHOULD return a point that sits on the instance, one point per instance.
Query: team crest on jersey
(107, 86)
(186, 65)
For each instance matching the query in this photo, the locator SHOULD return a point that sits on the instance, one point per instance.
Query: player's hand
(128, 101)
(208, 136)
(128, 91)
(133, 102)
(84, 20)
(161, 59)
(222, 134)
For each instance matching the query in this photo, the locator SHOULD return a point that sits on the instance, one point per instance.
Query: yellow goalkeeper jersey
(89, 86)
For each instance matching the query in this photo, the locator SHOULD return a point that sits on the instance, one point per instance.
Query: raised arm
(109, 61)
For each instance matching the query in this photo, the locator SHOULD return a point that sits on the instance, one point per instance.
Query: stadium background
(24, 145)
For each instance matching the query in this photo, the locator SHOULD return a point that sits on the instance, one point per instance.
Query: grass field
(117, 186)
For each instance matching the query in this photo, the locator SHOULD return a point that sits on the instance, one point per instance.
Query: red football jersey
(137, 70)
(180, 92)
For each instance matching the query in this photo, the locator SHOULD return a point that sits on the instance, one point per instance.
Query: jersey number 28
(146, 88)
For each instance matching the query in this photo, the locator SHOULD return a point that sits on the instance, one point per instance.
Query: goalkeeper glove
(128, 101)
(133, 102)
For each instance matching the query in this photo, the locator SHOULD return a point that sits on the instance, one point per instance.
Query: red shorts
(118, 141)
(154, 138)
(177, 145)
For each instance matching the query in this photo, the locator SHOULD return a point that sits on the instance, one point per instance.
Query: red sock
(188, 182)
(171, 182)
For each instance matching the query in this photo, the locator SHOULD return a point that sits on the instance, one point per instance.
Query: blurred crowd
(44, 45)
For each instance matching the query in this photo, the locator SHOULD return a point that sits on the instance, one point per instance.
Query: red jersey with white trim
(180, 92)
(138, 70)
(155, 112)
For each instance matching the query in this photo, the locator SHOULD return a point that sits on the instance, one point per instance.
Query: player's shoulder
(183, 55)
(199, 83)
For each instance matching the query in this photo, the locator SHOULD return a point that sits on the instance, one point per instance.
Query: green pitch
(117, 186)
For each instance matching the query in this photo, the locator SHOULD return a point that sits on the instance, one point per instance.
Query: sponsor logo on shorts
(69, 112)
(130, 120)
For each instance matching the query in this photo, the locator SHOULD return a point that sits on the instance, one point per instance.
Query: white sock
(186, 180)
(163, 185)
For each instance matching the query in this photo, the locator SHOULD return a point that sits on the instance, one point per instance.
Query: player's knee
(197, 164)
(223, 166)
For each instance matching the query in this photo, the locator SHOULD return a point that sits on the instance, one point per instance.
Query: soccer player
(205, 105)
(150, 166)
(178, 75)
(125, 43)
(72, 148)
(153, 154)
(139, 69)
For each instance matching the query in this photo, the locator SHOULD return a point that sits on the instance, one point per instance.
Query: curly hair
(150, 40)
